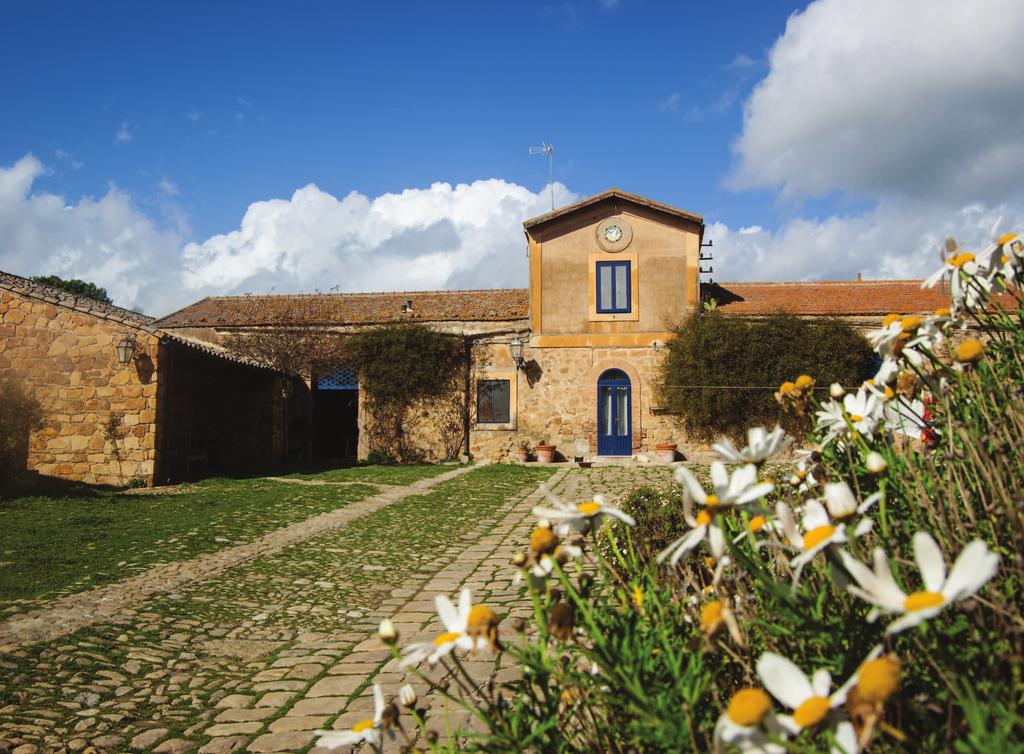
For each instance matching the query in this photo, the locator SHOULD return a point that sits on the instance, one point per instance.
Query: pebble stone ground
(267, 649)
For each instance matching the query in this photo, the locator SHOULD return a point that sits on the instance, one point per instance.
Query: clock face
(612, 233)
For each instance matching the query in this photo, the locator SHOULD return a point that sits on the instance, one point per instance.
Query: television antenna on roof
(548, 151)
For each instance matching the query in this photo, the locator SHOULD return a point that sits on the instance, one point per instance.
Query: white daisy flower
(740, 488)
(863, 409)
(740, 725)
(566, 517)
(703, 527)
(809, 698)
(841, 504)
(818, 532)
(368, 731)
(457, 632)
(761, 445)
(972, 569)
(563, 554)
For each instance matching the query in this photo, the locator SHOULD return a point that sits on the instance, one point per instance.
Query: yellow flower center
(878, 679)
(588, 509)
(638, 598)
(817, 535)
(942, 312)
(922, 601)
(856, 417)
(909, 324)
(787, 387)
(1006, 238)
(961, 259)
(890, 318)
(481, 617)
(812, 711)
(757, 523)
(711, 500)
(445, 638)
(748, 707)
(362, 725)
(969, 351)
(889, 393)
(711, 616)
(709, 561)
(543, 542)
(805, 382)
(703, 518)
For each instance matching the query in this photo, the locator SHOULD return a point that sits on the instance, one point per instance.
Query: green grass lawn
(56, 545)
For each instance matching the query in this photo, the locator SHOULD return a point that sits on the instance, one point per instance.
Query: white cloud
(106, 241)
(898, 239)
(168, 187)
(68, 159)
(444, 236)
(741, 61)
(124, 133)
(194, 115)
(920, 98)
(469, 235)
(671, 103)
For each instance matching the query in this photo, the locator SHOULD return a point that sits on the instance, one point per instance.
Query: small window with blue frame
(614, 292)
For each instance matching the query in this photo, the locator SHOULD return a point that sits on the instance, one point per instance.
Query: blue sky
(178, 119)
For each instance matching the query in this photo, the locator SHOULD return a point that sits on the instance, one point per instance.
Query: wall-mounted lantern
(516, 347)
(125, 349)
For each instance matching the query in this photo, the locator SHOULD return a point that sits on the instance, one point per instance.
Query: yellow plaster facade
(570, 344)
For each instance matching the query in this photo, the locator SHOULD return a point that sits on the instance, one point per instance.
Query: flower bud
(836, 390)
(839, 500)
(387, 632)
(407, 696)
(519, 560)
(876, 463)
(969, 351)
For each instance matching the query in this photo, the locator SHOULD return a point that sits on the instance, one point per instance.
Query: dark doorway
(337, 415)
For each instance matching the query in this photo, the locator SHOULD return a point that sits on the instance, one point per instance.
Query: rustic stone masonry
(62, 349)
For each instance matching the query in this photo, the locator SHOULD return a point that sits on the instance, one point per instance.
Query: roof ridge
(815, 282)
(51, 294)
(360, 293)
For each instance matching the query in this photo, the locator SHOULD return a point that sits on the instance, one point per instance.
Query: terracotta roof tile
(829, 297)
(495, 305)
(60, 297)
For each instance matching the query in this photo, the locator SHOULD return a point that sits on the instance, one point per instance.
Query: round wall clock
(614, 233)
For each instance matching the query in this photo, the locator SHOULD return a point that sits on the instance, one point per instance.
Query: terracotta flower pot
(666, 451)
(545, 453)
(522, 456)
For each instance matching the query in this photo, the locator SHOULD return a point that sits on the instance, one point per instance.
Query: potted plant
(545, 452)
(666, 451)
(523, 451)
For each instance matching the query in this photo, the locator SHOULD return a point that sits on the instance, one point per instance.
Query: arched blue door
(614, 414)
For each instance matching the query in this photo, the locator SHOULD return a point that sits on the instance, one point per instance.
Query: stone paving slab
(67, 614)
(230, 664)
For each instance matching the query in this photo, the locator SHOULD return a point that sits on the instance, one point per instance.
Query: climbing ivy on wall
(409, 374)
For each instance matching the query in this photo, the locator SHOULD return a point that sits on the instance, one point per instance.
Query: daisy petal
(975, 565)
(929, 560)
(784, 680)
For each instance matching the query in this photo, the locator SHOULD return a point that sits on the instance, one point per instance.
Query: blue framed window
(614, 292)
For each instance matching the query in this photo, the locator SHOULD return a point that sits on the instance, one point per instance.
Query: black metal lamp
(125, 349)
(516, 346)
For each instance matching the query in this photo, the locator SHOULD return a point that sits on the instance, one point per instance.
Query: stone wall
(556, 400)
(66, 358)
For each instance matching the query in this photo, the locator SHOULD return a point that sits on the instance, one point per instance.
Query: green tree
(721, 372)
(75, 286)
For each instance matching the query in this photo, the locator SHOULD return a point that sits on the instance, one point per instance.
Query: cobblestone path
(257, 656)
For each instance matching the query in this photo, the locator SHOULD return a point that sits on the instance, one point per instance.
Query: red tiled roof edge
(827, 297)
(62, 298)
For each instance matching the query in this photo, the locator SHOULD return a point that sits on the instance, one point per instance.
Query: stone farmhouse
(571, 359)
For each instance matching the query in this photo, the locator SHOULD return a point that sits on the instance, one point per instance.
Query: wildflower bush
(868, 598)
(733, 357)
